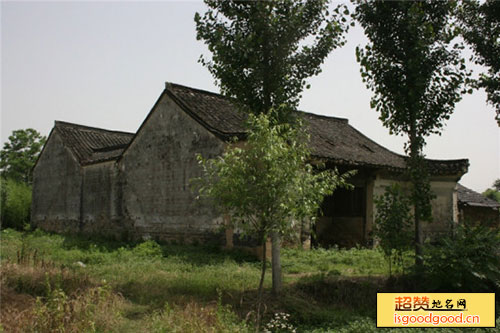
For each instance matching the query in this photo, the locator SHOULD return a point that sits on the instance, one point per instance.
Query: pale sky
(104, 64)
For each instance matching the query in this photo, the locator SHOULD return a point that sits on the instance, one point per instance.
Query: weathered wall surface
(480, 216)
(444, 208)
(56, 189)
(157, 198)
(101, 201)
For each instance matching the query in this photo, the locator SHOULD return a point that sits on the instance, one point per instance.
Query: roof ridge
(324, 116)
(197, 103)
(65, 123)
(486, 201)
(219, 95)
(456, 160)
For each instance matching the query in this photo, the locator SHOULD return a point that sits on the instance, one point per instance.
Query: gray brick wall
(56, 189)
(156, 169)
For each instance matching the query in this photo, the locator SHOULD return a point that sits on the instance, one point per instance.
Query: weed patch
(181, 288)
(194, 318)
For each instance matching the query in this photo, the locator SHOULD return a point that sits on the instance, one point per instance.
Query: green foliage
(480, 27)
(259, 51)
(268, 184)
(181, 271)
(494, 192)
(393, 223)
(20, 153)
(368, 325)
(148, 249)
(410, 64)
(57, 312)
(15, 203)
(417, 75)
(468, 261)
(262, 54)
(345, 262)
(280, 324)
(196, 319)
(188, 289)
(496, 184)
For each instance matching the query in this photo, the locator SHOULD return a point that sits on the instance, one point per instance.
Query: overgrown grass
(352, 262)
(147, 287)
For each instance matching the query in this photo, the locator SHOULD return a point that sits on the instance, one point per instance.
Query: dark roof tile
(469, 197)
(92, 145)
(331, 138)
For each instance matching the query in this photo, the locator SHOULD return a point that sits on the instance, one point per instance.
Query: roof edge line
(60, 122)
(222, 135)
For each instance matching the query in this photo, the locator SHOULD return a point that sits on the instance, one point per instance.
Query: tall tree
(261, 56)
(494, 192)
(496, 184)
(268, 183)
(480, 27)
(417, 76)
(20, 153)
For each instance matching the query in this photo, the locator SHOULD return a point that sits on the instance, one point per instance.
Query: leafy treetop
(416, 73)
(20, 153)
(481, 29)
(259, 51)
(494, 192)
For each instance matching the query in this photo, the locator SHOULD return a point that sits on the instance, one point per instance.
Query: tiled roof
(331, 138)
(214, 111)
(90, 144)
(469, 197)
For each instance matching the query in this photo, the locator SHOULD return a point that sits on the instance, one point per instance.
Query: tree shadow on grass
(196, 255)
(87, 242)
(201, 255)
(156, 292)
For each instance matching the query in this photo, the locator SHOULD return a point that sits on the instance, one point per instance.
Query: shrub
(32, 279)
(91, 311)
(467, 261)
(15, 203)
(148, 249)
(393, 223)
(194, 318)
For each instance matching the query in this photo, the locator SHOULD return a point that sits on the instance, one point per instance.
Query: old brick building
(112, 183)
(475, 208)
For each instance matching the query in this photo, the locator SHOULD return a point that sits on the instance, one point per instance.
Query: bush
(393, 223)
(194, 318)
(89, 311)
(15, 203)
(467, 261)
(148, 249)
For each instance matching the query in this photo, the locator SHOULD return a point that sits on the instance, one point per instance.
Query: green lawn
(102, 286)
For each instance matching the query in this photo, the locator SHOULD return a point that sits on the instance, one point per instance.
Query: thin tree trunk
(414, 156)
(418, 239)
(417, 201)
(390, 267)
(261, 285)
(276, 263)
